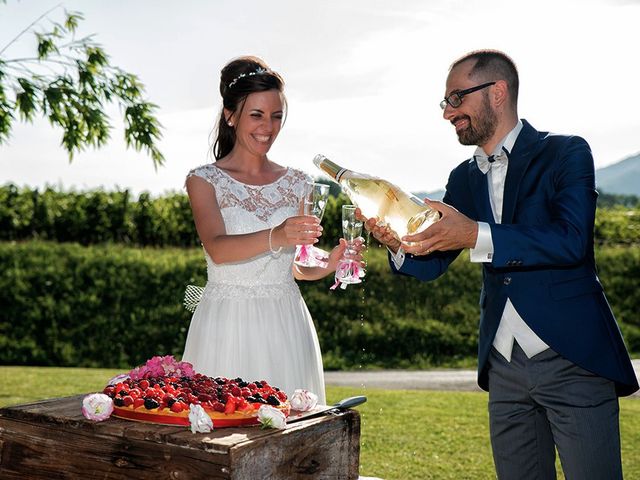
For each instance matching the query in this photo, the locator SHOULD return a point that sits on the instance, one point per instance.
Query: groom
(550, 352)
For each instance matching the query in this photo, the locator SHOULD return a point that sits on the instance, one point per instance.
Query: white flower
(97, 407)
(200, 421)
(271, 417)
(303, 400)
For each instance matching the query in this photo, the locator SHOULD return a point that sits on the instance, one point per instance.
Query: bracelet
(273, 252)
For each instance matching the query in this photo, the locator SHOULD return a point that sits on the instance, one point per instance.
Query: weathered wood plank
(68, 412)
(313, 449)
(35, 451)
(51, 439)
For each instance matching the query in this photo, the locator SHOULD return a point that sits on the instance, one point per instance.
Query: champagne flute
(314, 202)
(349, 270)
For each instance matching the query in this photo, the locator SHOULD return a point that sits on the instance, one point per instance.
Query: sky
(363, 81)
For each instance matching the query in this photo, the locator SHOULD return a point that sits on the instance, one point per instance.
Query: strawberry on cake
(163, 390)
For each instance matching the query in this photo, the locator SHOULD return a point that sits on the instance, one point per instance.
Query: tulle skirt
(267, 337)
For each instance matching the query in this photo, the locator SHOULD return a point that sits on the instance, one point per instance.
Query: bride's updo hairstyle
(238, 79)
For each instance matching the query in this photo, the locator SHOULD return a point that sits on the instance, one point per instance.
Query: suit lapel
(480, 192)
(523, 152)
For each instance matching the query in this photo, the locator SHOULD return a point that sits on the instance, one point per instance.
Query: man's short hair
(492, 65)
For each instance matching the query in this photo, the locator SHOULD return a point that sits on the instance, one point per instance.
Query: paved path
(460, 380)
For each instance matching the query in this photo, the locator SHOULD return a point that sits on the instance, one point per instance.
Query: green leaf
(58, 31)
(26, 99)
(96, 57)
(97, 127)
(86, 74)
(127, 86)
(142, 129)
(6, 117)
(45, 46)
(72, 20)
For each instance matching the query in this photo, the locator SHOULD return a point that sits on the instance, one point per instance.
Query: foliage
(97, 216)
(608, 200)
(334, 188)
(409, 435)
(68, 81)
(391, 320)
(617, 225)
(63, 304)
(113, 306)
(332, 219)
(619, 272)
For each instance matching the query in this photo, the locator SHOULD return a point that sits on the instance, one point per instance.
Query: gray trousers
(544, 402)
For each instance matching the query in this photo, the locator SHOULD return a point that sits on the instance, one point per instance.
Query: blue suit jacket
(543, 254)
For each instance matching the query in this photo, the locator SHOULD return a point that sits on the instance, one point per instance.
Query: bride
(252, 321)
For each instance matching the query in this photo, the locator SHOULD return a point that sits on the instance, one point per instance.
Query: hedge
(97, 216)
(115, 306)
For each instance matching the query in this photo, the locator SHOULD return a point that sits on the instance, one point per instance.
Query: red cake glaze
(167, 399)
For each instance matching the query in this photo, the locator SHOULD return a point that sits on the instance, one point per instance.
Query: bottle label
(333, 170)
(391, 195)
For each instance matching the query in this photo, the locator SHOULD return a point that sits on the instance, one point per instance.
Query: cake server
(350, 402)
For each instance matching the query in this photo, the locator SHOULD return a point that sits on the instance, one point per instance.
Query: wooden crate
(52, 440)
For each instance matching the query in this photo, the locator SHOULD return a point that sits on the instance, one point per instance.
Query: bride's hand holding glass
(294, 231)
(356, 249)
(314, 201)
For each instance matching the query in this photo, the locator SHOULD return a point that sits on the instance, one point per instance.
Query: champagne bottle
(405, 214)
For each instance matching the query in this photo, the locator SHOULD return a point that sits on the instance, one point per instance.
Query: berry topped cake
(166, 396)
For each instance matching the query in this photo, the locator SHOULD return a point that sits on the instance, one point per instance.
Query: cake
(167, 398)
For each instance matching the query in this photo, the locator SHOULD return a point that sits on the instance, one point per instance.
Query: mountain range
(620, 178)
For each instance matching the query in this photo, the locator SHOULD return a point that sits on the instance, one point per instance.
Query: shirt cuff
(483, 251)
(397, 258)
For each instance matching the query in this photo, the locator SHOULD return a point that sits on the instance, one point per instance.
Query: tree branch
(29, 28)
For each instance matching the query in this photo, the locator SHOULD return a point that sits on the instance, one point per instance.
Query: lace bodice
(246, 209)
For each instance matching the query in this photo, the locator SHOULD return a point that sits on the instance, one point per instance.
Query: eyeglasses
(455, 99)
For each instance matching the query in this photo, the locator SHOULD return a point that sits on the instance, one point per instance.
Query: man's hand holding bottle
(382, 233)
(453, 231)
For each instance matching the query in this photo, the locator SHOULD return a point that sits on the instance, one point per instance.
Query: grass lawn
(405, 434)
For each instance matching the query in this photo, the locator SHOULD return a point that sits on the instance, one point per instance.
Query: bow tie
(484, 163)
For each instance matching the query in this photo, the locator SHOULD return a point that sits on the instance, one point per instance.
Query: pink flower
(97, 407)
(162, 366)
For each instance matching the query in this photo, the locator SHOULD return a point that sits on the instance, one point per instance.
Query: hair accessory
(273, 252)
(258, 71)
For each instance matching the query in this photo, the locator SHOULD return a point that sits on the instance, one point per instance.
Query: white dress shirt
(512, 326)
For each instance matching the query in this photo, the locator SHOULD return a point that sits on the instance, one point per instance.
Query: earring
(230, 124)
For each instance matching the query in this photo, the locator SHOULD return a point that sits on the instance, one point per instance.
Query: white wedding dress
(252, 321)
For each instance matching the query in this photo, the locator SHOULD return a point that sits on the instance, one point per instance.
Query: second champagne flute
(314, 202)
(349, 268)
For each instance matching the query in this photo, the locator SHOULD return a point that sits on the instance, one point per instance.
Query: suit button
(507, 280)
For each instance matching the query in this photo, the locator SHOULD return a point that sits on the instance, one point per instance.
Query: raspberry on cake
(166, 398)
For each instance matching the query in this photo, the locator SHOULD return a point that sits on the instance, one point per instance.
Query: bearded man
(550, 351)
